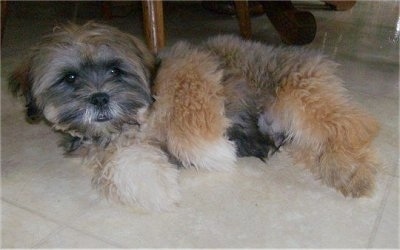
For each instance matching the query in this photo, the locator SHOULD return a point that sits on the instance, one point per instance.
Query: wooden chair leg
(153, 20)
(243, 14)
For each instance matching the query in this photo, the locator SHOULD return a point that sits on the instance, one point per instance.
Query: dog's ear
(20, 83)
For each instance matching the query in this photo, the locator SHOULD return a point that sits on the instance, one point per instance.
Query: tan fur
(329, 133)
(336, 135)
(189, 109)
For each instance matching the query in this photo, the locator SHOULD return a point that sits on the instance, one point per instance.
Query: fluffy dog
(135, 120)
(92, 82)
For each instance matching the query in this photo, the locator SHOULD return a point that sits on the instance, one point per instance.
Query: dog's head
(87, 80)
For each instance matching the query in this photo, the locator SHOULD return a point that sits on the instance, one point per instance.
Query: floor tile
(387, 141)
(21, 228)
(383, 109)
(387, 234)
(69, 238)
(58, 190)
(36, 175)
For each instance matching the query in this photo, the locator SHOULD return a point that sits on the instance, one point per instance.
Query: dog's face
(87, 80)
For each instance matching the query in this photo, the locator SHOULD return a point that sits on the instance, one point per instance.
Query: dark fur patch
(248, 138)
(70, 143)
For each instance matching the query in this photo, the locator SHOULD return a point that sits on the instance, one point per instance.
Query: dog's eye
(70, 77)
(115, 71)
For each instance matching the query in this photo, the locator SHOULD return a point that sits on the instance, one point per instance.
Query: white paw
(140, 174)
(219, 155)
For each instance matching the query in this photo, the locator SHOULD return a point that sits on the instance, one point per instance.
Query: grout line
(88, 234)
(92, 235)
(61, 224)
(380, 212)
(47, 237)
(15, 204)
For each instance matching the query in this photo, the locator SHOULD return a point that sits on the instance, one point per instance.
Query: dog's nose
(99, 99)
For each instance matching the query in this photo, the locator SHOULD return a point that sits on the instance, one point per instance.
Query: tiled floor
(47, 201)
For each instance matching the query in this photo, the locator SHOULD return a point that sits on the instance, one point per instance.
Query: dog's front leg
(139, 174)
(190, 106)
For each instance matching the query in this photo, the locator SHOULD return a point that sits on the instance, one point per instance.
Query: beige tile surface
(387, 228)
(387, 142)
(70, 238)
(21, 228)
(35, 174)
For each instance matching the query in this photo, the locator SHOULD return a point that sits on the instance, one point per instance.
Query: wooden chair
(153, 20)
(294, 26)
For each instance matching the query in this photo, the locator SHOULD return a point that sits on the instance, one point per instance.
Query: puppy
(92, 82)
(202, 107)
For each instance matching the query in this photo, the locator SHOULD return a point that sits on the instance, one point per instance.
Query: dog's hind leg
(328, 133)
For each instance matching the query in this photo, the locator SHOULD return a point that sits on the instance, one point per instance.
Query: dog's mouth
(103, 116)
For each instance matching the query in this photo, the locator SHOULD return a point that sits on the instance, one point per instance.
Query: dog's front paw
(140, 174)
